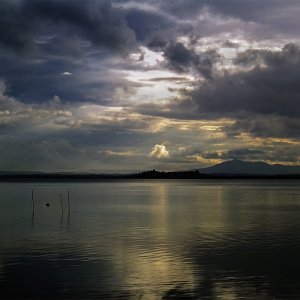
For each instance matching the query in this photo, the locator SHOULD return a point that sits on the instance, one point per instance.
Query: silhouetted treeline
(154, 174)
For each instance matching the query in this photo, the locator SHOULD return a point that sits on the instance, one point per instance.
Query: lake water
(173, 239)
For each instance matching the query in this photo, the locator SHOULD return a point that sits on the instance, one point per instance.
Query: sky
(123, 86)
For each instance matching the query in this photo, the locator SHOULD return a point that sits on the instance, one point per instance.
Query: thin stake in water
(61, 203)
(69, 201)
(32, 202)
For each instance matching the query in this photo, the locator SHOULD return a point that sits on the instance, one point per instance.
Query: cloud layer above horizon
(120, 85)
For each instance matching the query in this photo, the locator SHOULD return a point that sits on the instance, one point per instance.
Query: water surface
(173, 239)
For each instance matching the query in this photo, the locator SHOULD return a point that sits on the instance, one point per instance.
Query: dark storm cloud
(96, 21)
(272, 88)
(39, 80)
(15, 32)
(146, 23)
(43, 41)
(183, 59)
(65, 36)
(157, 42)
(23, 22)
(289, 54)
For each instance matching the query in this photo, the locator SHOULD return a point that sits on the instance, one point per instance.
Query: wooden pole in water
(32, 201)
(69, 201)
(61, 203)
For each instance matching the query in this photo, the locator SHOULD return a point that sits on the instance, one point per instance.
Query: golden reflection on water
(156, 262)
(159, 269)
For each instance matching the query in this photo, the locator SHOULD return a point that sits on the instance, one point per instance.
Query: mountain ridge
(243, 167)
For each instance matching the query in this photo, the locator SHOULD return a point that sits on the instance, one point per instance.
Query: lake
(155, 239)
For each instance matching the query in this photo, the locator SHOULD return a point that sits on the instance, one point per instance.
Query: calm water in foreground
(170, 239)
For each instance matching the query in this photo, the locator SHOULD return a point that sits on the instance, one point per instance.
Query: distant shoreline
(143, 175)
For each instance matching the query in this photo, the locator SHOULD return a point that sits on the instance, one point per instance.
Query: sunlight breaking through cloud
(159, 151)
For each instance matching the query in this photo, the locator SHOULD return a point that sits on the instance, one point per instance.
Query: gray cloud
(183, 59)
(279, 151)
(269, 89)
(287, 56)
(241, 153)
(41, 40)
(57, 36)
(259, 19)
(265, 126)
(282, 152)
(244, 9)
(23, 22)
(146, 23)
(89, 80)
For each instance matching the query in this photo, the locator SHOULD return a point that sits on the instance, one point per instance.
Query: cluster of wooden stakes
(48, 204)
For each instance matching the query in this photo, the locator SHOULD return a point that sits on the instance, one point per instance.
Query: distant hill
(240, 167)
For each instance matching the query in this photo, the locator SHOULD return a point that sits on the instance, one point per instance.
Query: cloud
(78, 35)
(288, 55)
(243, 9)
(146, 23)
(254, 19)
(265, 126)
(159, 151)
(90, 81)
(19, 118)
(117, 153)
(230, 44)
(23, 22)
(268, 89)
(242, 153)
(184, 59)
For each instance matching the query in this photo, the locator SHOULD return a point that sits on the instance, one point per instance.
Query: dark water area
(173, 239)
